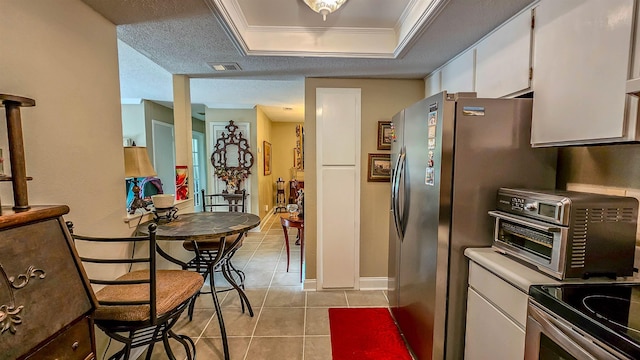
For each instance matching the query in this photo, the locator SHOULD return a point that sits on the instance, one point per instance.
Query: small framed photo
(266, 151)
(384, 135)
(379, 168)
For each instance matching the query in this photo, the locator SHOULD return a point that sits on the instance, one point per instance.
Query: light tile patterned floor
(288, 324)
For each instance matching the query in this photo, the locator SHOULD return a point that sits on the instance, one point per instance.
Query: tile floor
(288, 323)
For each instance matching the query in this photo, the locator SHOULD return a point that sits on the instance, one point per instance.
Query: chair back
(123, 283)
(224, 202)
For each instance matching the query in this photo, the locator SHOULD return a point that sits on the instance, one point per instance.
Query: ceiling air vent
(225, 66)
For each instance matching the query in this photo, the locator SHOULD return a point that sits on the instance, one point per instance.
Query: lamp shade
(137, 163)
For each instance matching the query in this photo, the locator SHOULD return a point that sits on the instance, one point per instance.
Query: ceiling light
(324, 7)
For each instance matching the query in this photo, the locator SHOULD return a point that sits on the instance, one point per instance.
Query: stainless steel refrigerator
(450, 153)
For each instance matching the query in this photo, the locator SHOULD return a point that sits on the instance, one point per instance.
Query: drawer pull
(75, 346)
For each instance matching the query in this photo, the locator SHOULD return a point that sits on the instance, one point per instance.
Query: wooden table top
(297, 219)
(203, 225)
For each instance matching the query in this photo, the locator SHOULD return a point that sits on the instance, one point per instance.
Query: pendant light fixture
(324, 7)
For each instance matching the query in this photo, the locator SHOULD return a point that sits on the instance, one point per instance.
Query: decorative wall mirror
(232, 158)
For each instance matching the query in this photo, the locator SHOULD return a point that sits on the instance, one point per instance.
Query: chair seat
(211, 245)
(173, 288)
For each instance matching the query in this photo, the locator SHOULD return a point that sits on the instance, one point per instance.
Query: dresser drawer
(75, 343)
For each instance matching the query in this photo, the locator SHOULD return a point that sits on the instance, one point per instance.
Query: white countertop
(522, 276)
(508, 269)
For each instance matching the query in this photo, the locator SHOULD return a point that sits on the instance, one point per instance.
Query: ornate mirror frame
(220, 154)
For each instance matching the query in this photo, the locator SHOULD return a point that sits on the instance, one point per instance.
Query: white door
(199, 175)
(164, 158)
(215, 185)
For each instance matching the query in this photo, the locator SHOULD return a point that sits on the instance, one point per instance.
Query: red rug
(365, 334)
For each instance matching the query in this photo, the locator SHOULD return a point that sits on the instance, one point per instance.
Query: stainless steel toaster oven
(567, 234)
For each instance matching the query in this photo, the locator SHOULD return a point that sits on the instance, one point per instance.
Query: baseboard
(366, 283)
(374, 283)
(310, 285)
(264, 220)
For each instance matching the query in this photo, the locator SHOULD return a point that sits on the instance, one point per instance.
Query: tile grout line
(263, 300)
(259, 312)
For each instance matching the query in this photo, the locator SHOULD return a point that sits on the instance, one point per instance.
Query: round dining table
(205, 226)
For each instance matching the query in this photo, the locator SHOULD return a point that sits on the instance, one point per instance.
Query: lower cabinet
(490, 333)
(496, 317)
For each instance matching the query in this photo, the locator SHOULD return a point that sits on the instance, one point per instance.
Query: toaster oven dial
(531, 206)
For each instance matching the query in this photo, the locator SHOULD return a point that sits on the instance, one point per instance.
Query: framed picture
(384, 135)
(182, 182)
(266, 151)
(379, 168)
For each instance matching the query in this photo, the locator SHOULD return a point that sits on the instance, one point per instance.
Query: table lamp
(136, 165)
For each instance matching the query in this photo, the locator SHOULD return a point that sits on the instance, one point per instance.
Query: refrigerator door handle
(394, 193)
(399, 176)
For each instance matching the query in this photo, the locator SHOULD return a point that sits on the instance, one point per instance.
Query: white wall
(133, 125)
(64, 55)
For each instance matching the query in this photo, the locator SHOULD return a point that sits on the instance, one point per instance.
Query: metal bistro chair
(207, 251)
(140, 307)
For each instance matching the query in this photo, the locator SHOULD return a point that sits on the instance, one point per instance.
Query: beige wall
(64, 56)
(266, 184)
(381, 99)
(283, 135)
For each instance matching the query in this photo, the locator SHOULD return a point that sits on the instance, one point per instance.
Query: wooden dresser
(45, 297)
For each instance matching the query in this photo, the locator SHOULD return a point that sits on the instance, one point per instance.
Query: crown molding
(380, 43)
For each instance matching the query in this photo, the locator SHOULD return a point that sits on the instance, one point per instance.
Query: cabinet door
(489, 333)
(503, 59)
(432, 84)
(457, 76)
(581, 64)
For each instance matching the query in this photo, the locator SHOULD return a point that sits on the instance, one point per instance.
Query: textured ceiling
(164, 37)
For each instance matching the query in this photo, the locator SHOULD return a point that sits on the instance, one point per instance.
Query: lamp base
(137, 202)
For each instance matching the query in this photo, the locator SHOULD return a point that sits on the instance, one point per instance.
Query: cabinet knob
(75, 345)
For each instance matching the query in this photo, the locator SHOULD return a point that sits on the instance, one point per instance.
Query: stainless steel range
(583, 321)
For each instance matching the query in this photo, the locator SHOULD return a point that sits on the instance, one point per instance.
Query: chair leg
(149, 351)
(192, 305)
(226, 270)
(243, 296)
(167, 346)
(240, 273)
(186, 342)
(123, 354)
(216, 303)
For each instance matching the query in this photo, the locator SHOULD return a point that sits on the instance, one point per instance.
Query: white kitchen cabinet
(503, 59)
(338, 187)
(497, 305)
(490, 333)
(432, 84)
(582, 52)
(496, 317)
(458, 75)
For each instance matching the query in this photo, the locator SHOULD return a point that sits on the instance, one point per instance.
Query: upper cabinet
(503, 59)
(432, 84)
(582, 60)
(457, 75)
